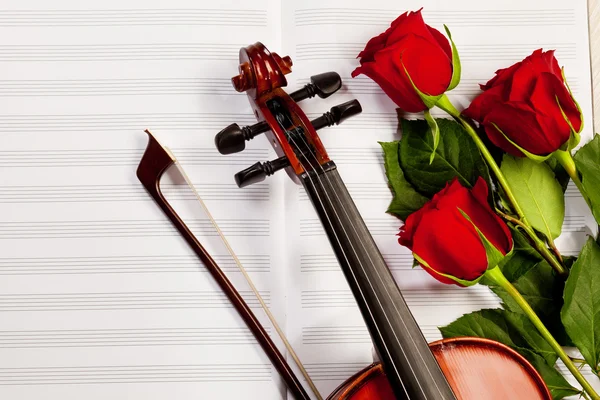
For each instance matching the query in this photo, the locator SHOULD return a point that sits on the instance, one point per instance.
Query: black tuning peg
(337, 114)
(322, 85)
(259, 171)
(233, 138)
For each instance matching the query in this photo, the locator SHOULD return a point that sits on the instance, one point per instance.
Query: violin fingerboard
(408, 362)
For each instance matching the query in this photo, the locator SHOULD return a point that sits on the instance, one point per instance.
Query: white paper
(100, 297)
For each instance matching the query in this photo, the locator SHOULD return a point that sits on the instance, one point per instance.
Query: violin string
(250, 283)
(351, 271)
(376, 272)
(313, 155)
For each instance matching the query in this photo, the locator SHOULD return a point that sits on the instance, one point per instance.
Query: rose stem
(537, 242)
(445, 104)
(566, 160)
(496, 275)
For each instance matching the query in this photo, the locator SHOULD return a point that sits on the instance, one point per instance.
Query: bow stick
(155, 161)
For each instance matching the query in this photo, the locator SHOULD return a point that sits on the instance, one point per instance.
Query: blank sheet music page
(324, 35)
(100, 298)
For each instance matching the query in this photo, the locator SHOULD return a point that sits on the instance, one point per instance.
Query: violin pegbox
(292, 135)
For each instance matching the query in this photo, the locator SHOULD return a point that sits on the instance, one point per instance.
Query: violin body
(410, 368)
(476, 369)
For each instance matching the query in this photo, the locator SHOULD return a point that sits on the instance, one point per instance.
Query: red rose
(409, 45)
(524, 104)
(446, 242)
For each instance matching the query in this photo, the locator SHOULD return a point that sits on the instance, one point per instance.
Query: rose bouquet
(481, 195)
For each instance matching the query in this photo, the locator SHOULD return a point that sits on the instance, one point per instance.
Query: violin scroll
(288, 129)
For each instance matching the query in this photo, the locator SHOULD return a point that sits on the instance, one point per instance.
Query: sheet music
(100, 298)
(323, 320)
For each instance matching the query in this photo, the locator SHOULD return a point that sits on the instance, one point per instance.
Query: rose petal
(566, 101)
(519, 122)
(380, 41)
(552, 64)
(474, 203)
(450, 245)
(502, 75)
(428, 65)
(550, 117)
(500, 141)
(442, 41)
(480, 190)
(392, 81)
(484, 103)
(412, 24)
(521, 84)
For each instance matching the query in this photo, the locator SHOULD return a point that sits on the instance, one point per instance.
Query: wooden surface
(594, 18)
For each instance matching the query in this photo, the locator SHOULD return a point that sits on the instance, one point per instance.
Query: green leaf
(587, 161)
(538, 193)
(581, 311)
(455, 62)
(557, 384)
(512, 329)
(405, 199)
(435, 133)
(456, 156)
(537, 281)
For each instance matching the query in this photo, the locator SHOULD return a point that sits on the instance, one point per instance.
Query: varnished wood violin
(409, 367)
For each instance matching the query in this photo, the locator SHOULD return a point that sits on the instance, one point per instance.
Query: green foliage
(587, 160)
(537, 282)
(581, 311)
(571, 310)
(456, 156)
(512, 329)
(560, 173)
(538, 193)
(405, 199)
(557, 384)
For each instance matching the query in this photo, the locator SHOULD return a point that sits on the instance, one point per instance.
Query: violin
(408, 367)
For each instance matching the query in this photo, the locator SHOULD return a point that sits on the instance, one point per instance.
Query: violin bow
(155, 161)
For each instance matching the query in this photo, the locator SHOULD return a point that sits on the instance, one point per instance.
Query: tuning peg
(337, 114)
(232, 139)
(322, 85)
(259, 171)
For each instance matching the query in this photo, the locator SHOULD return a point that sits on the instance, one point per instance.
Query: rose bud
(456, 236)
(412, 62)
(527, 109)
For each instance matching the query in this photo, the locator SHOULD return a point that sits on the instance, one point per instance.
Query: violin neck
(408, 363)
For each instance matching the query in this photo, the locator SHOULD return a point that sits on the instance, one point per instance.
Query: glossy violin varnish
(482, 369)
(476, 369)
